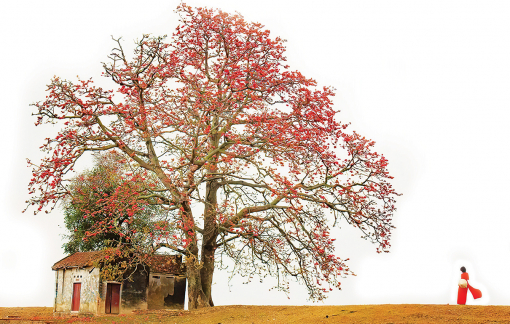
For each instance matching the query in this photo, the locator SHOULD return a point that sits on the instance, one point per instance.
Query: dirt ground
(280, 314)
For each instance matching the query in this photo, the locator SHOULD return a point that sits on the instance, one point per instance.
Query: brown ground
(281, 314)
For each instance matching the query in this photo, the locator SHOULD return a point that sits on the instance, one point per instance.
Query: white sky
(428, 81)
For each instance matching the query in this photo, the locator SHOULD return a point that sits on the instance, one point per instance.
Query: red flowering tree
(109, 195)
(246, 155)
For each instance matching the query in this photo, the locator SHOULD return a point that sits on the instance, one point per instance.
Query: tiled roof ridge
(164, 263)
(83, 259)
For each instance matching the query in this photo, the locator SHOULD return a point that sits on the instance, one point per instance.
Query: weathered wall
(133, 294)
(166, 291)
(134, 291)
(89, 279)
(176, 301)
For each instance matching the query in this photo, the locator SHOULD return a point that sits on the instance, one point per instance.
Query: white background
(428, 81)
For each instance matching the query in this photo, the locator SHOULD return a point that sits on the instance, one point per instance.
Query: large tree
(246, 155)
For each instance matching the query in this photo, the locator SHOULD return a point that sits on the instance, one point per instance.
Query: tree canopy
(83, 209)
(246, 156)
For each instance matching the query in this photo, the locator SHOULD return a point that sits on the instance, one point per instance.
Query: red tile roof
(166, 264)
(78, 260)
(157, 263)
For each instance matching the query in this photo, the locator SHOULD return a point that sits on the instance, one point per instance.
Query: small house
(159, 284)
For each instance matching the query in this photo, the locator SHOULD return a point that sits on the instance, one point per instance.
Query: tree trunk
(196, 296)
(209, 239)
(206, 272)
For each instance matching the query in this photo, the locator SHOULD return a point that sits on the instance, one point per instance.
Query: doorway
(75, 304)
(112, 298)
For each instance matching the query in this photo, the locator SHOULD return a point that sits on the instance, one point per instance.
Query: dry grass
(281, 314)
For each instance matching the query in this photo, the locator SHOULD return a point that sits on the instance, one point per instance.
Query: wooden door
(112, 305)
(75, 304)
(108, 303)
(115, 298)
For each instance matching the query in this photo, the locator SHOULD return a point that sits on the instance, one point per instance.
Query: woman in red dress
(462, 295)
